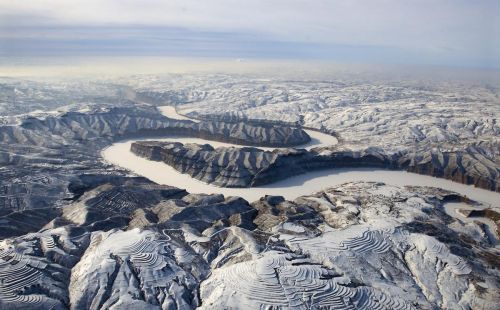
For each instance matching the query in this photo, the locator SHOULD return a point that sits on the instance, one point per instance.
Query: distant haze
(435, 32)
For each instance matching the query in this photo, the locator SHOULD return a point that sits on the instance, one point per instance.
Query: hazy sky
(443, 32)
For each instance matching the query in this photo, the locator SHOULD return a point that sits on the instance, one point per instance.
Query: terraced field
(79, 229)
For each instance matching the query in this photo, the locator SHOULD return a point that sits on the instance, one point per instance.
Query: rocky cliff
(40, 156)
(468, 166)
(120, 123)
(243, 167)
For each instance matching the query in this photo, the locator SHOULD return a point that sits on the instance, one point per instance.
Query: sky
(461, 33)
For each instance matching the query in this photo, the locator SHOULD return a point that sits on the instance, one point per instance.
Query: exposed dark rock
(41, 159)
(122, 123)
(148, 245)
(22, 222)
(491, 214)
(468, 166)
(243, 167)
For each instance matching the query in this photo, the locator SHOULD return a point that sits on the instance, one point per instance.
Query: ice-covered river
(317, 138)
(119, 154)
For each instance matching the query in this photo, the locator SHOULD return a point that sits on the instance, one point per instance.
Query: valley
(146, 192)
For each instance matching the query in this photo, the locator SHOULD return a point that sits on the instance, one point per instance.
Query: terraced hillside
(77, 232)
(131, 243)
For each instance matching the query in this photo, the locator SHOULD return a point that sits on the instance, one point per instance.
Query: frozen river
(119, 154)
(317, 138)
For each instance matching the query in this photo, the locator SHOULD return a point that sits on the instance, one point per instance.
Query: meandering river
(119, 154)
(317, 138)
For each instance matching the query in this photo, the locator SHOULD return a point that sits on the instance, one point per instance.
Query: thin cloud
(437, 31)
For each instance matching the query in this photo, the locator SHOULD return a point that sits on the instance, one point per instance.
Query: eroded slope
(130, 243)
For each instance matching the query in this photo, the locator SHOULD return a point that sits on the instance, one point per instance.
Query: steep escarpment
(41, 156)
(229, 167)
(243, 167)
(468, 166)
(117, 123)
(265, 135)
(233, 167)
